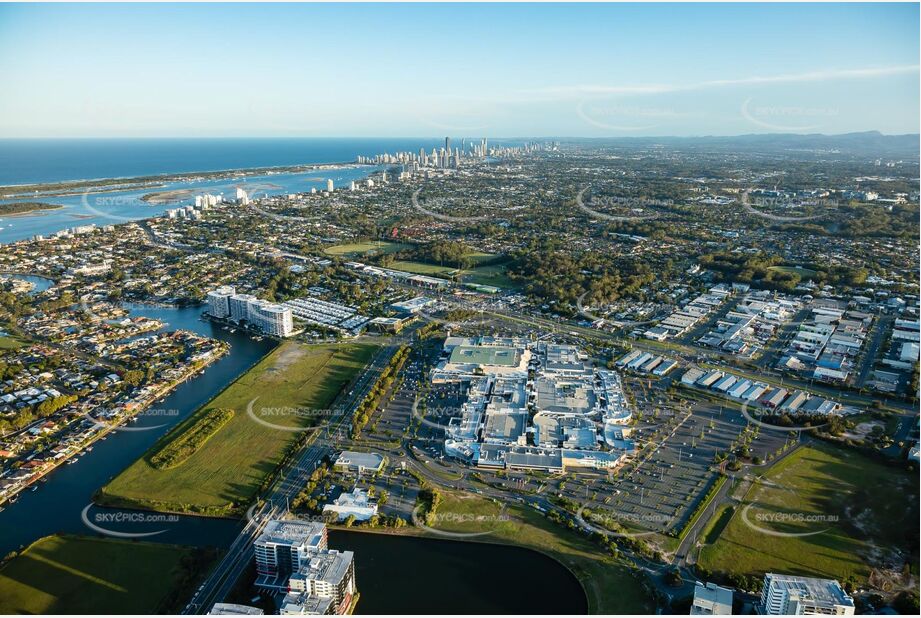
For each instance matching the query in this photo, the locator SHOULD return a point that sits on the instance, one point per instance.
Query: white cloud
(813, 76)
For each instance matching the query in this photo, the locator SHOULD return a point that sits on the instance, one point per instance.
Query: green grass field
(490, 274)
(717, 524)
(804, 273)
(222, 476)
(421, 268)
(479, 257)
(9, 342)
(843, 505)
(359, 249)
(609, 586)
(83, 575)
(493, 275)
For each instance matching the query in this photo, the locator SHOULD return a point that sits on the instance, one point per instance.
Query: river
(39, 284)
(57, 504)
(114, 207)
(395, 574)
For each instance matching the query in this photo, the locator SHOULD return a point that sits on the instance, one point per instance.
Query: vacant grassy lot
(609, 586)
(845, 508)
(83, 575)
(295, 384)
(358, 249)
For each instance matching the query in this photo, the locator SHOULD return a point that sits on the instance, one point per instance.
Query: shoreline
(39, 208)
(11, 191)
(162, 392)
(419, 533)
(102, 499)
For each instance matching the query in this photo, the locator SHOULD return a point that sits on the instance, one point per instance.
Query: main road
(290, 480)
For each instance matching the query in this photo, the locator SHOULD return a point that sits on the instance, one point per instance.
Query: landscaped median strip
(701, 507)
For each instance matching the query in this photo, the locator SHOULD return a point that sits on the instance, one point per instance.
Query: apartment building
(804, 596)
(285, 544)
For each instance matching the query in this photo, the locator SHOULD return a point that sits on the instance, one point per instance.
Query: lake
(412, 575)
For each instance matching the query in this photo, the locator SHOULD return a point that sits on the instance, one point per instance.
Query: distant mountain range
(867, 143)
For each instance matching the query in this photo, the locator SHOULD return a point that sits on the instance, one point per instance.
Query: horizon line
(442, 135)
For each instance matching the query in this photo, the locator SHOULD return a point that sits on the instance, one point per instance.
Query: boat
(34, 488)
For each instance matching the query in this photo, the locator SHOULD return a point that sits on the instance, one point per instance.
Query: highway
(223, 578)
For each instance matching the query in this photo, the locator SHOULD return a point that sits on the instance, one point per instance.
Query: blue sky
(420, 69)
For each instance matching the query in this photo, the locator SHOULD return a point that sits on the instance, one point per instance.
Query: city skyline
(500, 70)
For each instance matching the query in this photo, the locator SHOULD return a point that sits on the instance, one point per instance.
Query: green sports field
(421, 268)
(292, 386)
(843, 506)
(83, 575)
(482, 272)
(492, 274)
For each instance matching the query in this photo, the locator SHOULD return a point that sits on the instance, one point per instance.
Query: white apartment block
(804, 596)
(239, 306)
(219, 301)
(270, 318)
(285, 544)
(328, 575)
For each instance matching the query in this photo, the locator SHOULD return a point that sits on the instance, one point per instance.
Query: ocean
(53, 160)
(26, 161)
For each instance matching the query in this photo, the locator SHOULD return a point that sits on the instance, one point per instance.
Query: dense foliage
(175, 451)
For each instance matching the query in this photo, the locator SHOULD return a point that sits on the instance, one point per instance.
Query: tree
(673, 578)
(134, 377)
